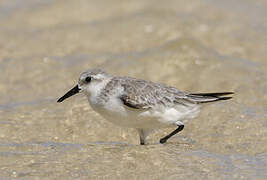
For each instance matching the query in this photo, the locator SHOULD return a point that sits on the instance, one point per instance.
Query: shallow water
(199, 46)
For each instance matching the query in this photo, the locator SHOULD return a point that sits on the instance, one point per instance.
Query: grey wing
(133, 104)
(134, 94)
(141, 94)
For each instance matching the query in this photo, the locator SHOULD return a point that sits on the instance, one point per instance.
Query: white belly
(121, 115)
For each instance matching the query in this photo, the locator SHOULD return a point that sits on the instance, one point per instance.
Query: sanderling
(140, 104)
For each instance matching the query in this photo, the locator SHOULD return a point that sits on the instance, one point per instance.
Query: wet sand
(200, 46)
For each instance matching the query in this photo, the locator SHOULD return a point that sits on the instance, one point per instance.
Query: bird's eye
(88, 79)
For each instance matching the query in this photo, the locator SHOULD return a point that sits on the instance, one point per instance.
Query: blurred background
(198, 46)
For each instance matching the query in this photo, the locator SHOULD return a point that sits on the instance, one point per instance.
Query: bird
(141, 104)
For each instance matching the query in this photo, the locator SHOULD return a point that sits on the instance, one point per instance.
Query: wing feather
(141, 94)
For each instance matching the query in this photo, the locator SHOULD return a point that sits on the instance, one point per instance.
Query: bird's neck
(93, 92)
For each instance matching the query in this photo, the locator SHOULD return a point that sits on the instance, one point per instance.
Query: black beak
(70, 93)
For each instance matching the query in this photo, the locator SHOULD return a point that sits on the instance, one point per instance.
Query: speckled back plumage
(142, 94)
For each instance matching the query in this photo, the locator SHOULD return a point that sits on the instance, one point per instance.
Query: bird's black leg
(142, 142)
(164, 139)
(142, 136)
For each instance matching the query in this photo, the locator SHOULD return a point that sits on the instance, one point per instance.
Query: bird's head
(90, 83)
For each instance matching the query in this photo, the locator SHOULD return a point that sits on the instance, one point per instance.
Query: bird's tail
(209, 97)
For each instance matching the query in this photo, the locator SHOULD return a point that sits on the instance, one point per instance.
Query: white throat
(94, 89)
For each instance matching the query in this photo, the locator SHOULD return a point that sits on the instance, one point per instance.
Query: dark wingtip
(213, 94)
(225, 98)
(226, 93)
(211, 97)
